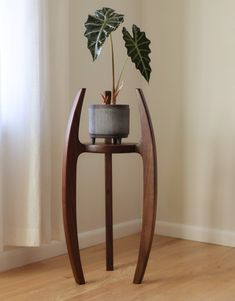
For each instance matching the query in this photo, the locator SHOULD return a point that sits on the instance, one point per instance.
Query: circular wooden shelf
(111, 148)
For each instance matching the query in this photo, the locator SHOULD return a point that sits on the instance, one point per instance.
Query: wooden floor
(178, 270)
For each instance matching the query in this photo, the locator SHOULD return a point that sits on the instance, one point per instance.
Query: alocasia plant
(100, 26)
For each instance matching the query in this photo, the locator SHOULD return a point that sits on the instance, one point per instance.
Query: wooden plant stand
(73, 148)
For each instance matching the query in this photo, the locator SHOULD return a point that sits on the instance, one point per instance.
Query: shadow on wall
(190, 99)
(209, 137)
(164, 21)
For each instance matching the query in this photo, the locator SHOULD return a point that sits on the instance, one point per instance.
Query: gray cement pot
(109, 121)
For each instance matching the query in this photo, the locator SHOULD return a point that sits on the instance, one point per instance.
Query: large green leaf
(98, 28)
(138, 50)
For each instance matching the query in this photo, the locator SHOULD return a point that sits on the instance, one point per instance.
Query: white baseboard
(94, 237)
(18, 257)
(202, 234)
(22, 256)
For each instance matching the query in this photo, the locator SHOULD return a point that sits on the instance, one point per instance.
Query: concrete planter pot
(109, 121)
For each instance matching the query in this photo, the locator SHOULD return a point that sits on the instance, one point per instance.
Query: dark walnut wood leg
(109, 200)
(72, 150)
(109, 212)
(147, 149)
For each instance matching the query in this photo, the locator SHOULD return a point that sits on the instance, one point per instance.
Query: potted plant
(109, 119)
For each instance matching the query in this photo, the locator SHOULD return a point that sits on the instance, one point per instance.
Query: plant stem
(113, 71)
(121, 73)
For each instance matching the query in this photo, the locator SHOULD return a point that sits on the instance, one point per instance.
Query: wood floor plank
(178, 270)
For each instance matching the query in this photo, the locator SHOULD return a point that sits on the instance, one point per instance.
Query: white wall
(192, 95)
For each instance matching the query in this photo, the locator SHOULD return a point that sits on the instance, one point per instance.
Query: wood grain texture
(108, 200)
(109, 211)
(147, 149)
(72, 150)
(179, 270)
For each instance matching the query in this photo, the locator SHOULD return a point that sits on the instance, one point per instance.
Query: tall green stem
(113, 71)
(121, 73)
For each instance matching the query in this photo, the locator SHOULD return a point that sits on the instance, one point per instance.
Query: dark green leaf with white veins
(138, 50)
(98, 28)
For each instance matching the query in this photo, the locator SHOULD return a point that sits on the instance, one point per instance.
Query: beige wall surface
(191, 98)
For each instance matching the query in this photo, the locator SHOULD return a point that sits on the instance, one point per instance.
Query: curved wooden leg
(147, 149)
(148, 220)
(73, 148)
(70, 221)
